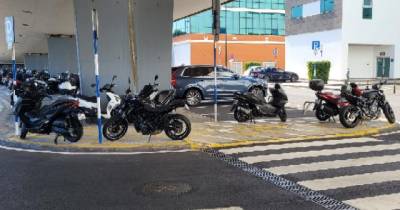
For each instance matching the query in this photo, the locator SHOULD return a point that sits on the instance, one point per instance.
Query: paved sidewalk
(204, 134)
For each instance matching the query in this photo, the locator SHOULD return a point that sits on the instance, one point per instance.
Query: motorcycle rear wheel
(389, 113)
(76, 127)
(283, 115)
(178, 127)
(321, 115)
(241, 116)
(115, 128)
(348, 118)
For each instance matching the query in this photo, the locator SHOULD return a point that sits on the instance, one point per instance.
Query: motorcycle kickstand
(332, 119)
(148, 140)
(56, 139)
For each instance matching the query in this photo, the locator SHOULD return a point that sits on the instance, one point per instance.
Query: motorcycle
(365, 104)
(68, 84)
(149, 117)
(61, 117)
(247, 106)
(89, 103)
(327, 105)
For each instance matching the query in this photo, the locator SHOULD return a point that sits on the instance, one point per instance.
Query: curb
(187, 144)
(169, 146)
(357, 134)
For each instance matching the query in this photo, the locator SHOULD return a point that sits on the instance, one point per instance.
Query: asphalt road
(191, 180)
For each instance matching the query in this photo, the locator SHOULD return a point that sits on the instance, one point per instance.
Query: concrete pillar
(36, 61)
(62, 55)
(153, 21)
(152, 27)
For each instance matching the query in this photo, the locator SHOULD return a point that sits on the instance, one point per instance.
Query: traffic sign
(316, 45)
(9, 29)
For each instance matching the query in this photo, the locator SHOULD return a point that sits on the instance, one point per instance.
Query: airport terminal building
(255, 33)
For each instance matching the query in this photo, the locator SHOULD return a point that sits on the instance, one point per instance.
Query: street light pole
(216, 6)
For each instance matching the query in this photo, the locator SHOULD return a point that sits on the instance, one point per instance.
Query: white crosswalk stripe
(325, 165)
(382, 202)
(319, 153)
(335, 166)
(353, 180)
(296, 145)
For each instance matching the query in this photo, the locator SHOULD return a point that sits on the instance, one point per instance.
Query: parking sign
(316, 45)
(9, 29)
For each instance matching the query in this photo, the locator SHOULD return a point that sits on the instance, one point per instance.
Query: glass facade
(327, 6)
(245, 17)
(297, 12)
(367, 9)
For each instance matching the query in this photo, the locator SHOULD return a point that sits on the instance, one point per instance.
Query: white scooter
(89, 104)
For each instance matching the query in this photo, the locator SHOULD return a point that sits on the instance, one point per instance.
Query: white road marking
(296, 145)
(381, 202)
(91, 153)
(336, 164)
(319, 153)
(353, 180)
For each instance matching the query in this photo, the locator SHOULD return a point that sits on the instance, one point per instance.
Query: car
(196, 83)
(274, 74)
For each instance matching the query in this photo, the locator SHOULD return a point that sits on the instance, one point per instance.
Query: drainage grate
(283, 183)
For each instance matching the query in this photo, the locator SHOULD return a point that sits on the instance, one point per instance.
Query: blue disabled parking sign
(9, 29)
(316, 45)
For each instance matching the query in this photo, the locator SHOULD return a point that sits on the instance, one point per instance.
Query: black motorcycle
(247, 106)
(150, 116)
(60, 117)
(365, 105)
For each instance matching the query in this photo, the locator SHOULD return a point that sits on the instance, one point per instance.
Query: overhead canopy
(36, 19)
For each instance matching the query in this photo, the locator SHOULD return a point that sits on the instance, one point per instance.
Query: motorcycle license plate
(81, 116)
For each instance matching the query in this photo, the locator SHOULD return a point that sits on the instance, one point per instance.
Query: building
(255, 29)
(362, 36)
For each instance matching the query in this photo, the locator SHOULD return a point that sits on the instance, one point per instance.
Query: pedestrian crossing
(360, 172)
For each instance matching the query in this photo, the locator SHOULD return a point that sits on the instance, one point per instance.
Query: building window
(327, 6)
(367, 9)
(297, 12)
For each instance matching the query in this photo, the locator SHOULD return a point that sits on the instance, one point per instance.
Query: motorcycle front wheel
(115, 128)
(177, 127)
(349, 116)
(389, 113)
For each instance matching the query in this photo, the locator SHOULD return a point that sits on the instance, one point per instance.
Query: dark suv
(196, 83)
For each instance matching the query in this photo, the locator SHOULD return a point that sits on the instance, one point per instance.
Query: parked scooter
(61, 117)
(365, 104)
(327, 105)
(148, 117)
(89, 103)
(247, 106)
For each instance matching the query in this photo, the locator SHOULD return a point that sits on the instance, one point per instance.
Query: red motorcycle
(327, 105)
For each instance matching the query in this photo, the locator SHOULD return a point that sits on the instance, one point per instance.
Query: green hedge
(250, 64)
(323, 68)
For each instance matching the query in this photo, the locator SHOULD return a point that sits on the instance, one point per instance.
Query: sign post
(316, 46)
(10, 40)
(95, 27)
(216, 8)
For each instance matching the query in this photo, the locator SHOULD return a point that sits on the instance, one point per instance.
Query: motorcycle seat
(92, 99)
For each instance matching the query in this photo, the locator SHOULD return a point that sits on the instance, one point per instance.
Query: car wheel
(294, 78)
(193, 97)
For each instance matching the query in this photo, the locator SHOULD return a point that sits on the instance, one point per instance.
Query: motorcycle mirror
(129, 81)
(114, 77)
(156, 77)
